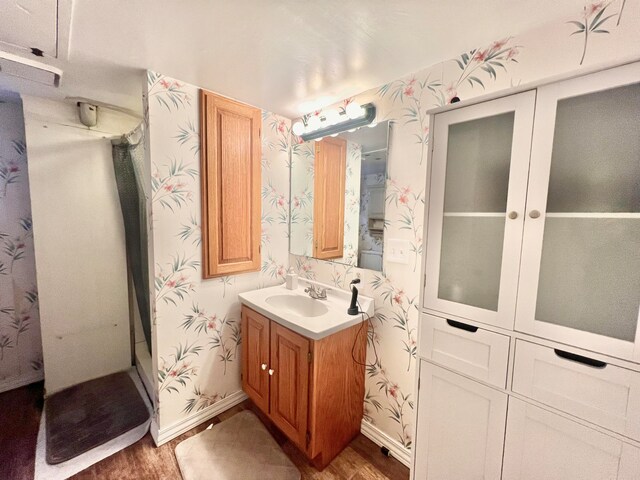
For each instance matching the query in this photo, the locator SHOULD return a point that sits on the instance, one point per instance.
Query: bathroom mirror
(338, 196)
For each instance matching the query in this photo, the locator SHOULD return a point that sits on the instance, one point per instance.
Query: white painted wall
(79, 243)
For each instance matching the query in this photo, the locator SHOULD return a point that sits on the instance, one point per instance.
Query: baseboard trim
(377, 436)
(21, 381)
(195, 419)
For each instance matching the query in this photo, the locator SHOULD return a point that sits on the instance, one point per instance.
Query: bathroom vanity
(303, 365)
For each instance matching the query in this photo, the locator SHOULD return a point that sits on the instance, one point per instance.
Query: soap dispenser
(291, 279)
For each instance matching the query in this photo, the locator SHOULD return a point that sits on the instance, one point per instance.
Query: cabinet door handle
(513, 215)
(574, 357)
(263, 366)
(271, 371)
(462, 326)
(534, 213)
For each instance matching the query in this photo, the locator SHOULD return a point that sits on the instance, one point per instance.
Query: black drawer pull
(462, 326)
(580, 359)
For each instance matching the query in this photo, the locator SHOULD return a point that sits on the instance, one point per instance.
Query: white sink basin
(303, 306)
(310, 317)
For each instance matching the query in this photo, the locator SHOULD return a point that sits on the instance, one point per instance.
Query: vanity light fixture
(333, 122)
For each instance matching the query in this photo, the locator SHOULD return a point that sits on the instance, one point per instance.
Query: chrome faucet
(316, 292)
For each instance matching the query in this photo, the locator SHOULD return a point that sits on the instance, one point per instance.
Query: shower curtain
(128, 158)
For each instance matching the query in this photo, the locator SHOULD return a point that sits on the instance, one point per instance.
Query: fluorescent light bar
(368, 115)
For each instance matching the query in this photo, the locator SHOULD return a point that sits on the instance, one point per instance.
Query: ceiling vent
(29, 69)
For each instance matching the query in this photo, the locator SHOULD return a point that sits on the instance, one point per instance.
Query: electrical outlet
(397, 251)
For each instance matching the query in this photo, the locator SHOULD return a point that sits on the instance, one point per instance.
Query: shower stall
(131, 179)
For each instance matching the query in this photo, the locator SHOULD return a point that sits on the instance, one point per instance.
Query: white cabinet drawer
(467, 349)
(542, 445)
(604, 394)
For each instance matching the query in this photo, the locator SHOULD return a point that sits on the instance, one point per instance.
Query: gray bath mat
(238, 448)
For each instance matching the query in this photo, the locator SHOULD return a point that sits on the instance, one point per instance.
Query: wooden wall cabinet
(312, 390)
(328, 205)
(230, 185)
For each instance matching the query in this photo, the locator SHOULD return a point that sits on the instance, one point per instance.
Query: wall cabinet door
(255, 357)
(289, 371)
(480, 165)
(328, 203)
(230, 184)
(580, 273)
(543, 445)
(460, 431)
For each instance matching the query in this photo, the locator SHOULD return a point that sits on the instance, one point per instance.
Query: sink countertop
(335, 319)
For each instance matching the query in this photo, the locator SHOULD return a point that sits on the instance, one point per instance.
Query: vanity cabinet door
(580, 273)
(255, 357)
(476, 208)
(289, 371)
(460, 432)
(328, 204)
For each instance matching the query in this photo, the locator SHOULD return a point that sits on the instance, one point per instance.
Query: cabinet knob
(263, 366)
(534, 213)
(513, 215)
(271, 370)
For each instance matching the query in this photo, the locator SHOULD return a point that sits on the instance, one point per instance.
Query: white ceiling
(275, 54)
(40, 15)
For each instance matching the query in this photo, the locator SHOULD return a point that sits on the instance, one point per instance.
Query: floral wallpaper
(20, 342)
(352, 204)
(600, 33)
(196, 331)
(197, 322)
(302, 170)
(302, 184)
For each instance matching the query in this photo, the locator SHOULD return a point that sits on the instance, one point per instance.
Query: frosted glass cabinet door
(461, 426)
(580, 276)
(480, 164)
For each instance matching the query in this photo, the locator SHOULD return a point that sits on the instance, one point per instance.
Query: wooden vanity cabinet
(312, 390)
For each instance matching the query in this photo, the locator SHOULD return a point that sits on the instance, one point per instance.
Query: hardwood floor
(20, 412)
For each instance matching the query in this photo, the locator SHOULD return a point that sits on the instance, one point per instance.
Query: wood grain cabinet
(230, 185)
(312, 390)
(328, 205)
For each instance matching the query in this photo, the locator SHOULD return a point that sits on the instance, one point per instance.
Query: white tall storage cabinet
(529, 343)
